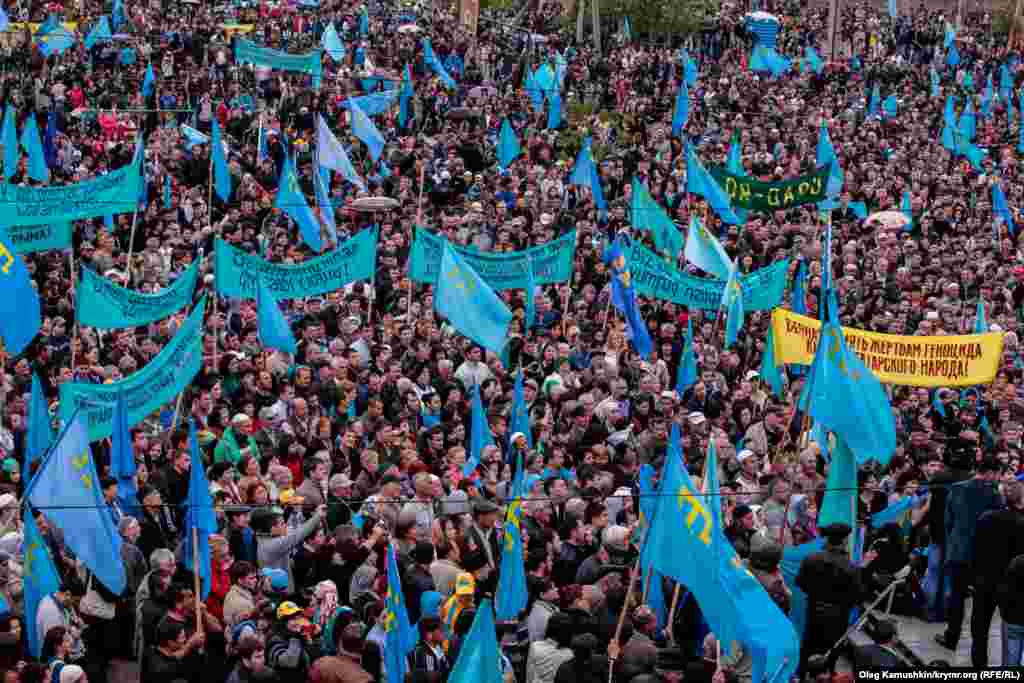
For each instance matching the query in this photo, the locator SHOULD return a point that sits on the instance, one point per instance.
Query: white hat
(744, 454)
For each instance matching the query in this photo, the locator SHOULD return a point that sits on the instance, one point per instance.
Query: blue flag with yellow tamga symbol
(512, 596)
(39, 434)
(469, 303)
(67, 491)
(40, 579)
(624, 296)
(686, 375)
(200, 519)
(292, 202)
(274, 330)
(20, 315)
(479, 432)
(399, 635)
(479, 659)
(685, 542)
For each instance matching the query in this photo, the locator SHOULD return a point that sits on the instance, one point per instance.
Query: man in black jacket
(417, 579)
(941, 477)
(998, 538)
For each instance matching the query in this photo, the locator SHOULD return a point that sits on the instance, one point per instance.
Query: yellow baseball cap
(465, 584)
(287, 609)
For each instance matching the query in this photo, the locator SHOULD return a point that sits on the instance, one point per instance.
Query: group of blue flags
(623, 296)
(700, 182)
(647, 214)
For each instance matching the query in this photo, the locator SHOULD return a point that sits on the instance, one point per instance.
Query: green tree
(660, 17)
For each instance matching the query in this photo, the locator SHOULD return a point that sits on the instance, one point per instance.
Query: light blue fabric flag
(479, 659)
(839, 505)
(647, 214)
(968, 125)
(168, 187)
(376, 103)
(531, 294)
(699, 182)
(479, 434)
(1005, 84)
(67, 489)
(980, 325)
(934, 76)
(39, 434)
(20, 315)
(875, 102)
(897, 513)
(100, 32)
(814, 59)
(534, 91)
(221, 174)
(686, 544)
(825, 153)
(431, 60)
(892, 9)
(332, 44)
(363, 128)
(364, 24)
(508, 145)
(584, 172)
(127, 56)
(734, 165)
(33, 144)
(732, 304)
(331, 154)
(689, 68)
(5, 21)
(681, 115)
(407, 94)
(969, 82)
(40, 579)
(847, 398)
(819, 435)
(686, 374)
(889, 107)
(624, 296)
(792, 558)
(627, 30)
(554, 110)
(1001, 209)
(292, 202)
(400, 636)
(469, 303)
(952, 56)
(769, 372)
(149, 82)
(986, 99)
(860, 209)
(193, 137)
(512, 596)
(321, 186)
(519, 417)
(907, 209)
(799, 300)
(200, 518)
(949, 113)
(122, 460)
(274, 330)
(705, 251)
(117, 14)
(10, 142)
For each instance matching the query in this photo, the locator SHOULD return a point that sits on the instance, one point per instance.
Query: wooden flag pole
(209, 222)
(622, 617)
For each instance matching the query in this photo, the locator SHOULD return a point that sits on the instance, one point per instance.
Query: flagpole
(195, 572)
(209, 222)
(622, 617)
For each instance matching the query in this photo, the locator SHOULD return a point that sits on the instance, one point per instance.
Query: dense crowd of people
(321, 460)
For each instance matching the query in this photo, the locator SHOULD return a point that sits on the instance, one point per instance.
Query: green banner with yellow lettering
(755, 195)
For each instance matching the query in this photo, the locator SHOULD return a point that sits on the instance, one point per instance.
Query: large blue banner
(144, 391)
(115, 192)
(652, 276)
(29, 238)
(108, 306)
(248, 52)
(237, 271)
(552, 262)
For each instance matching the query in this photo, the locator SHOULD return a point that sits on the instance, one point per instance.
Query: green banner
(248, 52)
(109, 306)
(29, 238)
(755, 195)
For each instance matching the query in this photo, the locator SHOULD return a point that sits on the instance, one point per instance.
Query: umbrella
(483, 91)
(371, 204)
(408, 28)
(887, 220)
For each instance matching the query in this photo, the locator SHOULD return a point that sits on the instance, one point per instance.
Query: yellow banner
(232, 29)
(34, 26)
(950, 361)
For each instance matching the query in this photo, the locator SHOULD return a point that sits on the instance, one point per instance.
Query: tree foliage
(660, 17)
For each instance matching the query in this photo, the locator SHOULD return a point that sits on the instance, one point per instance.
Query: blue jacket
(965, 504)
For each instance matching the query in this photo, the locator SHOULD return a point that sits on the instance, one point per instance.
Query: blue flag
(799, 300)
(907, 208)
(584, 172)
(200, 518)
(681, 115)
(10, 142)
(624, 297)
(274, 330)
(825, 153)
(792, 558)
(699, 182)
(554, 110)
(892, 9)
(686, 374)
(689, 68)
(705, 251)
(122, 459)
(364, 24)
(896, 513)
(511, 596)
(508, 145)
(980, 325)
(686, 544)
(67, 490)
(168, 192)
(363, 128)
(860, 209)
(101, 31)
(875, 102)
(519, 417)
(479, 659)
(968, 122)
(627, 30)
(40, 579)
(1005, 85)
(531, 292)
(952, 56)
(431, 60)
(814, 59)
(39, 434)
(332, 44)
(889, 107)
(321, 186)
(5, 20)
(732, 303)
(331, 154)
(479, 433)
(20, 315)
(469, 303)
(292, 202)
(647, 214)
(769, 371)
(407, 94)
(399, 635)
(934, 76)
(117, 15)
(1001, 209)
(221, 174)
(37, 168)
(192, 137)
(149, 82)
(50, 139)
